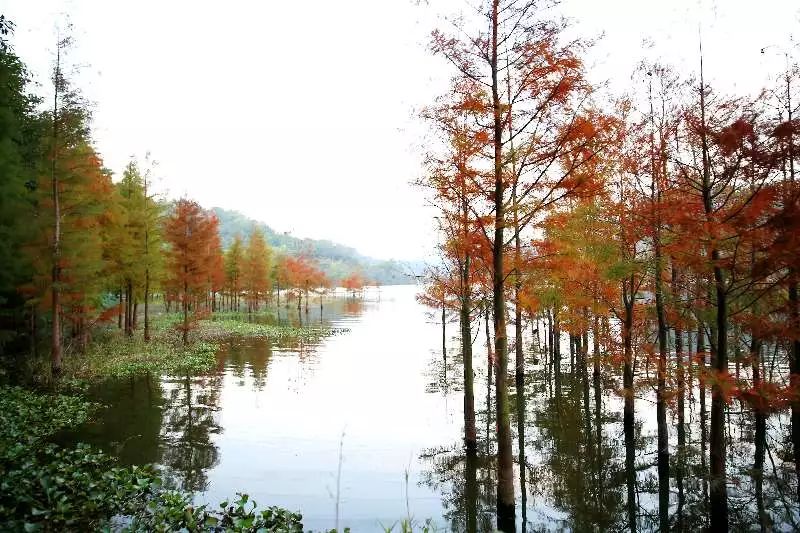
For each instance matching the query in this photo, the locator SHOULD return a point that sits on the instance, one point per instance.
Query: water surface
(271, 419)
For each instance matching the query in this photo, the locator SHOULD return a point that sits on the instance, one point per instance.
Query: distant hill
(336, 260)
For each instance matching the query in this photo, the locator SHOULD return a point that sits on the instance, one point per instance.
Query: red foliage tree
(191, 234)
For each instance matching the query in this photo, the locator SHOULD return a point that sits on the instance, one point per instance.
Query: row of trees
(79, 249)
(662, 226)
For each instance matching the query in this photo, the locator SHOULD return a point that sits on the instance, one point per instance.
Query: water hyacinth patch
(45, 487)
(218, 329)
(118, 356)
(123, 357)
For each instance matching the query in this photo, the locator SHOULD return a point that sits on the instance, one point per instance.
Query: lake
(375, 414)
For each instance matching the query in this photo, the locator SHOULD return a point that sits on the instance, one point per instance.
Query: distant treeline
(335, 260)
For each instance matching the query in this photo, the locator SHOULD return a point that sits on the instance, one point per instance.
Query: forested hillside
(335, 260)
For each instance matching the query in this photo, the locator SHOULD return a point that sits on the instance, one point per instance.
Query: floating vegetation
(212, 330)
(123, 357)
(118, 356)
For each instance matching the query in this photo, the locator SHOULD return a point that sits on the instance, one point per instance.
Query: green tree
(233, 271)
(137, 241)
(19, 130)
(256, 269)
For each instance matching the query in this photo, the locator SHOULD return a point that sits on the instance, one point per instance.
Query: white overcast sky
(302, 114)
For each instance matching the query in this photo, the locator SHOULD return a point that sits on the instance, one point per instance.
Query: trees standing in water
(660, 228)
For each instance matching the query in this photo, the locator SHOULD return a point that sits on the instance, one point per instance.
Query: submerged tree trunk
(681, 382)
(598, 411)
(719, 492)
(661, 413)
(701, 365)
(470, 431)
(557, 352)
(489, 368)
(794, 376)
(596, 371)
(584, 369)
(628, 415)
(471, 492)
(550, 351)
(520, 384)
(760, 437)
(679, 471)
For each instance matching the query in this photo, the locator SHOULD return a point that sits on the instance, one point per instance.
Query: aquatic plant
(124, 357)
(216, 329)
(173, 511)
(116, 356)
(45, 487)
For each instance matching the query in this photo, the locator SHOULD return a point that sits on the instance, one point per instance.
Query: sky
(304, 114)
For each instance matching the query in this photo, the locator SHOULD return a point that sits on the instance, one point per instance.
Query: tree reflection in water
(576, 466)
(190, 420)
(576, 462)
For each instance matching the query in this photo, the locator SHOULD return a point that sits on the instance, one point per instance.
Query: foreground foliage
(45, 487)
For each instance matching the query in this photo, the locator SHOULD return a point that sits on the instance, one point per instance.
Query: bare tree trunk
(760, 438)
(628, 413)
(597, 385)
(679, 370)
(506, 520)
(701, 371)
(147, 268)
(444, 332)
(584, 369)
(55, 351)
(490, 362)
(550, 351)
(185, 311)
(470, 431)
(129, 310)
(126, 313)
(471, 492)
(794, 371)
(557, 351)
(147, 304)
(661, 407)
